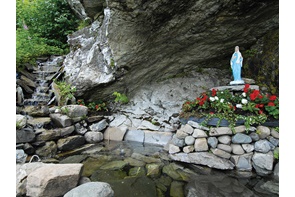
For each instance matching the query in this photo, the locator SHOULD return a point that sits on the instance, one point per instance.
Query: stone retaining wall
(242, 150)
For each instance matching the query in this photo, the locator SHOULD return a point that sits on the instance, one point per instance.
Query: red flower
(257, 106)
(211, 112)
(198, 99)
(96, 106)
(260, 96)
(271, 104)
(260, 112)
(246, 88)
(214, 92)
(261, 105)
(273, 98)
(201, 103)
(254, 95)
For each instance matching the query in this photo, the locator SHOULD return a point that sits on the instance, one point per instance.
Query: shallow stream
(143, 170)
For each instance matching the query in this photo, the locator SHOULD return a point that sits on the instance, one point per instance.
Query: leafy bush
(120, 98)
(65, 90)
(42, 28)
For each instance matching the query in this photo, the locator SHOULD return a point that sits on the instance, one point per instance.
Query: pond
(144, 170)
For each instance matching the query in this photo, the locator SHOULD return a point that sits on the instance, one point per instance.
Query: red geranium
(201, 103)
(254, 95)
(271, 104)
(257, 106)
(214, 92)
(273, 98)
(260, 111)
(246, 88)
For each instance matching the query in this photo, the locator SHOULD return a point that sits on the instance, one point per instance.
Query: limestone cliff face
(150, 41)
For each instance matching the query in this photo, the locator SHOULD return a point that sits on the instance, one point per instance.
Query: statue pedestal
(239, 82)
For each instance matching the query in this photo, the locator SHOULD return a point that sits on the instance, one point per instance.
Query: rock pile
(222, 149)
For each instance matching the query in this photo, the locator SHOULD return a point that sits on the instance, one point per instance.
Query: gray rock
(61, 120)
(276, 172)
(149, 126)
(243, 162)
(254, 136)
(74, 111)
(101, 125)
(176, 189)
(84, 180)
(22, 171)
(134, 135)
(226, 139)
(203, 158)
(21, 156)
(114, 165)
(48, 135)
(271, 187)
(212, 141)
(262, 146)
(220, 153)
(274, 133)
(173, 149)
(80, 129)
(92, 189)
(21, 121)
(237, 149)
(220, 131)
(37, 111)
(240, 129)
(39, 122)
(154, 169)
(94, 119)
(25, 135)
(263, 162)
(118, 120)
(29, 149)
(178, 142)
(263, 132)
(134, 162)
(66, 131)
(180, 134)
(190, 140)
(53, 179)
(198, 133)
(272, 147)
(201, 144)
(188, 149)
(248, 147)
(115, 133)
(187, 129)
(70, 143)
(197, 125)
(224, 147)
(274, 141)
(48, 150)
(158, 138)
(93, 137)
(241, 138)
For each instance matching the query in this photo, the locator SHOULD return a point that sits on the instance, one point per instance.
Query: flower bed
(248, 107)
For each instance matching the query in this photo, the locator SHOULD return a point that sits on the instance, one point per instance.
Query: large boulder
(263, 163)
(53, 179)
(140, 38)
(91, 189)
(61, 120)
(74, 111)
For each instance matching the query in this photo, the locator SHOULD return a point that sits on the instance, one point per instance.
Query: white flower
(244, 101)
(221, 100)
(212, 99)
(239, 106)
(216, 98)
(244, 94)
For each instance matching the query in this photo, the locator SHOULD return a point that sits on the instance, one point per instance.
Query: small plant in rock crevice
(120, 98)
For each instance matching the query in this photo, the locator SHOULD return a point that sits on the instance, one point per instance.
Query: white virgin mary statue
(236, 63)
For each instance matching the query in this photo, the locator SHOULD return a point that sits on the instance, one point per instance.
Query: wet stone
(262, 146)
(212, 141)
(137, 171)
(254, 136)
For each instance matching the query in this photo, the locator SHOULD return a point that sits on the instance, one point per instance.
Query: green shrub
(42, 28)
(120, 98)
